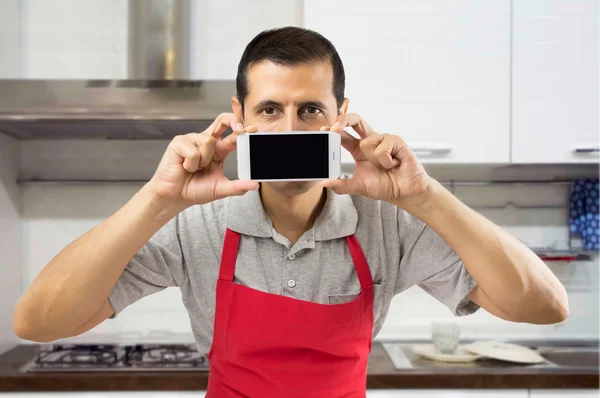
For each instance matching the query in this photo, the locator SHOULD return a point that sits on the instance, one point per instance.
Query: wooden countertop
(381, 375)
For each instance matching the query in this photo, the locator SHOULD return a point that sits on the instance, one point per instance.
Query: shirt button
(291, 283)
(292, 256)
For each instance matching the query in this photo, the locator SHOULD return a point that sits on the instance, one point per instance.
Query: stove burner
(165, 355)
(78, 355)
(115, 357)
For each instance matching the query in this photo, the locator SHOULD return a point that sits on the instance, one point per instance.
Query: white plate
(505, 352)
(429, 351)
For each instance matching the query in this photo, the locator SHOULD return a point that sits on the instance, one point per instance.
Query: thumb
(234, 188)
(341, 187)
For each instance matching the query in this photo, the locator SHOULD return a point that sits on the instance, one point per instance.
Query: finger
(205, 145)
(207, 151)
(251, 129)
(368, 147)
(350, 186)
(385, 151)
(385, 160)
(234, 188)
(223, 122)
(399, 150)
(382, 150)
(229, 143)
(349, 142)
(188, 153)
(356, 122)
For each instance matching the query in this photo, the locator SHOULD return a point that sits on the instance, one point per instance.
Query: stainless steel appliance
(159, 96)
(107, 358)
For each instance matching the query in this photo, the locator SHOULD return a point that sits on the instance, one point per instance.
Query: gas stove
(106, 358)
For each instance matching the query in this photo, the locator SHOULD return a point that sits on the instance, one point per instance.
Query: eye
(312, 111)
(269, 111)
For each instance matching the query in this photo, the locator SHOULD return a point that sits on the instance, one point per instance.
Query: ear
(344, 107)
(237, 108)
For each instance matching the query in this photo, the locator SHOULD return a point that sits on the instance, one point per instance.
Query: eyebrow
(268, 103)
(315, 104)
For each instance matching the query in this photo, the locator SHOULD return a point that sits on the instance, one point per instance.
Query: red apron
(267, 345)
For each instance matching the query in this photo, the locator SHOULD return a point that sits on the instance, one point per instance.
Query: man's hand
(386, 168)
(191, 170)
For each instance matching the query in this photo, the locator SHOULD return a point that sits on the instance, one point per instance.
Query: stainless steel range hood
(159, 45)
(53, 109)
(158, 99)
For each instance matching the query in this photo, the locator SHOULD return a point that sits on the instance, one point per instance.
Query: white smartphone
(289, 156)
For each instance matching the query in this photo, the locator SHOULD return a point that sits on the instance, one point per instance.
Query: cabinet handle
(431, 149)
(587, 150)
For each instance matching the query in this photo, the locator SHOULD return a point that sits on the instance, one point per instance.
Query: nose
(290, 121)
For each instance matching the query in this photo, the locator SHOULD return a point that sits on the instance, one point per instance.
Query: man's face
(283, 98)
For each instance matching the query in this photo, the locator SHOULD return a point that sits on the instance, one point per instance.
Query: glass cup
(445, 336)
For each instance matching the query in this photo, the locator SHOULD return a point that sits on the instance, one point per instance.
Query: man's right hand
(191, 170)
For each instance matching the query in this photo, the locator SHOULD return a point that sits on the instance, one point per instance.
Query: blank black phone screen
(285, 156)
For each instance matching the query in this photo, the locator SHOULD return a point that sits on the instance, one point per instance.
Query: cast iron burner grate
(140, 357)
(164, 355)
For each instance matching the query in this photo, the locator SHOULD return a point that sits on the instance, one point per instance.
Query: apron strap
(229, 256)
(360, 262)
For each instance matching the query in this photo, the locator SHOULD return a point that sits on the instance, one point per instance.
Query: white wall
(10, 238)
(78, 39)
(10, 40)
(223, 28)
(53, 214)
(74, 39)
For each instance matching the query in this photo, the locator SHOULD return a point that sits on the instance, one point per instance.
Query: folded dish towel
(584, 219)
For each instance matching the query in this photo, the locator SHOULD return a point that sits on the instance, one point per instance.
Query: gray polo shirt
(401, 251)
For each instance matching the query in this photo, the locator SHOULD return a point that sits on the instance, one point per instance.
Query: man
(306, 271)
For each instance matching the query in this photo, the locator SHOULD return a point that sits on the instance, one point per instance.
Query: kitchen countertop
(381, 375)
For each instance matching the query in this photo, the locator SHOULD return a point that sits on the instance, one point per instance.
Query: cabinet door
(555, 81)
(74, 39)
(435, 73)
(564, 393)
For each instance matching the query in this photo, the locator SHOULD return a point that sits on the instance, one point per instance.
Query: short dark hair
(290, 46)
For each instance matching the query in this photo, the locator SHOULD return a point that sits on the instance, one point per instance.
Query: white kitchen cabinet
(555, 81)
(447, 393)
(564, 393)
(435, 73)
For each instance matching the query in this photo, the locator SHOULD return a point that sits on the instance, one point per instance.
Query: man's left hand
(386, 168)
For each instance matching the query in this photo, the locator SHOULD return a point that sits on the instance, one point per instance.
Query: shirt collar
(246, 215)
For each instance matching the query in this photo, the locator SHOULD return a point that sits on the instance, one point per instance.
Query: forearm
(77, 282)
(510, 275)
